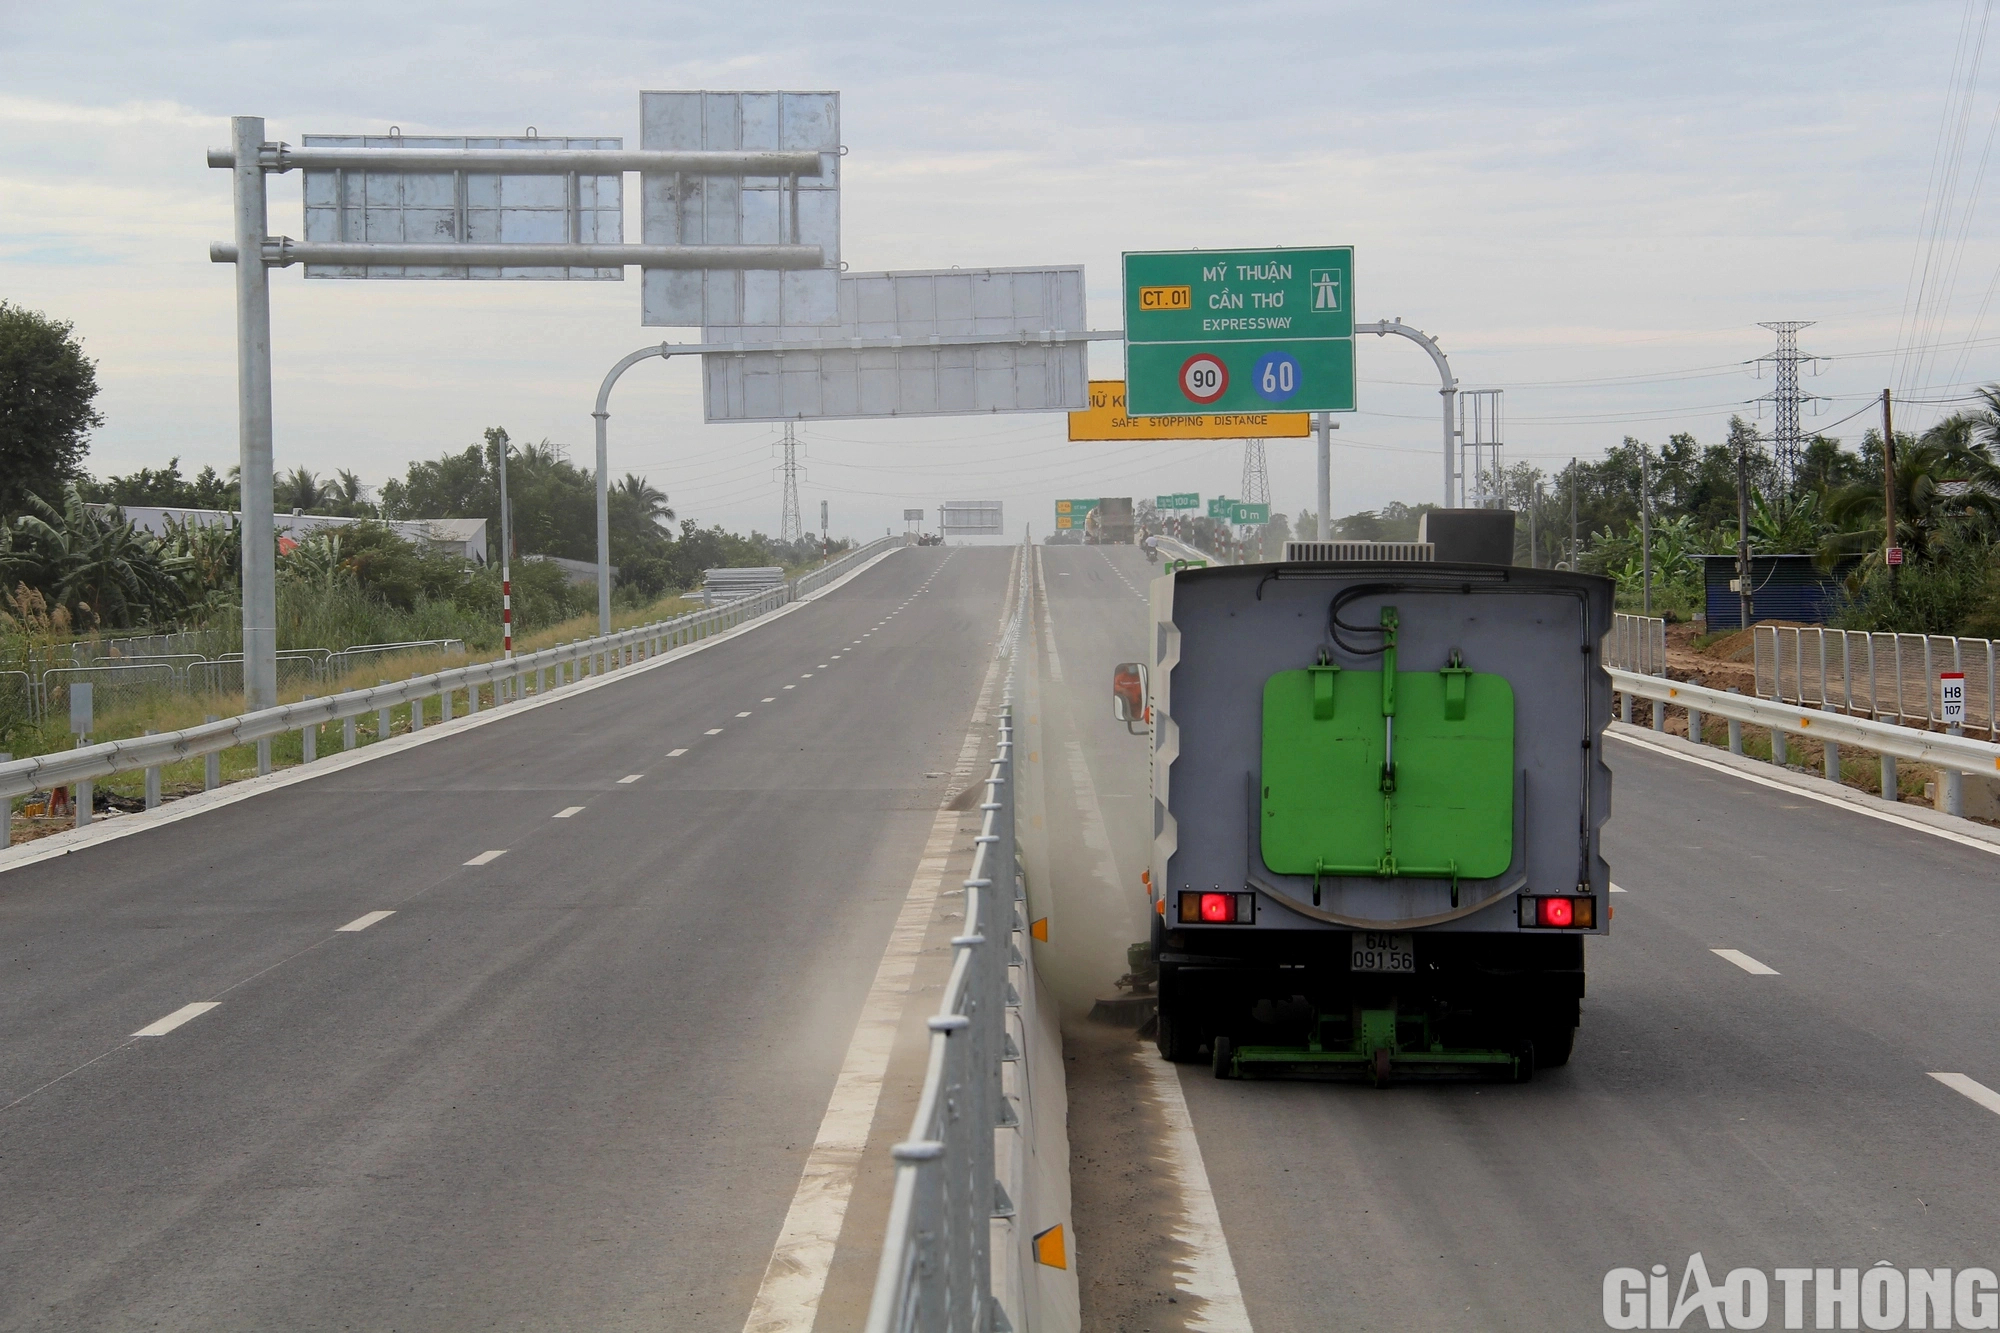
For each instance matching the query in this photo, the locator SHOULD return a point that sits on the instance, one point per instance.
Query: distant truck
(1110, 523)
(1378, 785)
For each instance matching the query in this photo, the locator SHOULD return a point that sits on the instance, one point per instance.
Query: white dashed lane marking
(484, 857)
(175, 1019)
(743, 715)
(1746, 962)
(630, 777)
(363, 922)
(567, 812)
(713, 731)
(675, 754)
(1972, 1088)
(773, 699)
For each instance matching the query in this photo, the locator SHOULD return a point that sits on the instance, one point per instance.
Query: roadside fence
(502, 680)
(1952, 755)
(1637, 643)
(960, 1250)
(1891, 677)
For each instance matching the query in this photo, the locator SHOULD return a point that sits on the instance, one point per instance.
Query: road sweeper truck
(1378, 785)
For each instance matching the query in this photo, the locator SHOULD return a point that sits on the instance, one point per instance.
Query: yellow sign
(1166, 298)
(1105, 419)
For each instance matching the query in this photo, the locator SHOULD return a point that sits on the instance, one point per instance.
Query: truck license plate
(1383, 953)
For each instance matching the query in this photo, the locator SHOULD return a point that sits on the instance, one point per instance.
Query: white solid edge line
(567, 812)
(363, 922)
(176, 1018)
(630, 777)
(1746, 962)
(795, 1278)
(1886, 816)
(1972, 1088)
(484, 857)
(187, 807)
(1204, 1268)
(675, 754)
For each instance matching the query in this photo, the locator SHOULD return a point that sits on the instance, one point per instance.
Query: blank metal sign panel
(442, 207)
(1025, 373)
(680, 209)
(971, 518)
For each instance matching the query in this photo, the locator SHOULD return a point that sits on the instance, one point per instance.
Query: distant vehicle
(1377, 847)
(1110, 523)
(930, 539)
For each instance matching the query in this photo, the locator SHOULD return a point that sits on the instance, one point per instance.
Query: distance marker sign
(1239, 331)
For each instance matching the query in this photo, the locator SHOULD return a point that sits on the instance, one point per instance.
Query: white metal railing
(1951, 755)
(1637, 643)
(1886, 676)
(939, 1271)
(509, 679)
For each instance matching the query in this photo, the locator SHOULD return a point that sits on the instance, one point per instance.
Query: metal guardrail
(938, 1271)
(1637, 643)
(509, 677)
(807, 584)
(1891, 676)
(1951, 755)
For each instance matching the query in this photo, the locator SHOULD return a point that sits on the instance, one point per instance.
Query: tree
(165, 488)
(98, 566)
(47, 391)
(299, 489)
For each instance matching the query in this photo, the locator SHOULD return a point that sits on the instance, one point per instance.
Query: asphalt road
(569, 1087)
(1766, 1119)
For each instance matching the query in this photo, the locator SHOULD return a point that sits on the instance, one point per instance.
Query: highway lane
(1765, 1120)
(569, 1087)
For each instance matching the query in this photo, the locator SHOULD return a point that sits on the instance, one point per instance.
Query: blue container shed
(1782, 587)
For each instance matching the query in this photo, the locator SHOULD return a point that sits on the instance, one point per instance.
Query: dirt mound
(1741, 645)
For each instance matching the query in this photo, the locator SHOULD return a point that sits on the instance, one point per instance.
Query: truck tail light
(1217, 908)
(1565, 912)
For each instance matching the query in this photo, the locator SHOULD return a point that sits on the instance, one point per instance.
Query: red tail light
(1559, 913)
(1218, 908)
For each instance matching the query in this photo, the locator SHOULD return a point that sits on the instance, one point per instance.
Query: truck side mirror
(1129, 694)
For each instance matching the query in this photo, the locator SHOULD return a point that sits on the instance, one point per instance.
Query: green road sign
(1071, 513)
(1221, 508)
(1248, 513)
(1178, 500)
(1239, 331)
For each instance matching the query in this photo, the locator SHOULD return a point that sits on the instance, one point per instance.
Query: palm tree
(1942, 482)
(300, 489)
(648, 501)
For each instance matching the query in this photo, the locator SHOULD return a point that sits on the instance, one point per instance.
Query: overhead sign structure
(1221, 508)
(1178, 500)
(1243, 514)
(1231, 331)
(913, 515)
(677, 208)
(970, 518)
(1106, 419)
(349, 204)
(1071, 513)
(1951, 698)
(977, 340)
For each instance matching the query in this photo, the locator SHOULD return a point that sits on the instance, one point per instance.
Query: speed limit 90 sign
(1204, 378)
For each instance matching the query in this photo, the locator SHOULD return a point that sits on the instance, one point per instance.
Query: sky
(1590, 206)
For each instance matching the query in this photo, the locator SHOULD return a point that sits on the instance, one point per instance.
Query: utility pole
(825, 545)
(1534, 561)
(253, 413)
(1743, 596)
(506, 550)
(1645, 533)
(790, 528)
(1575, 550)
(1888, 492)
